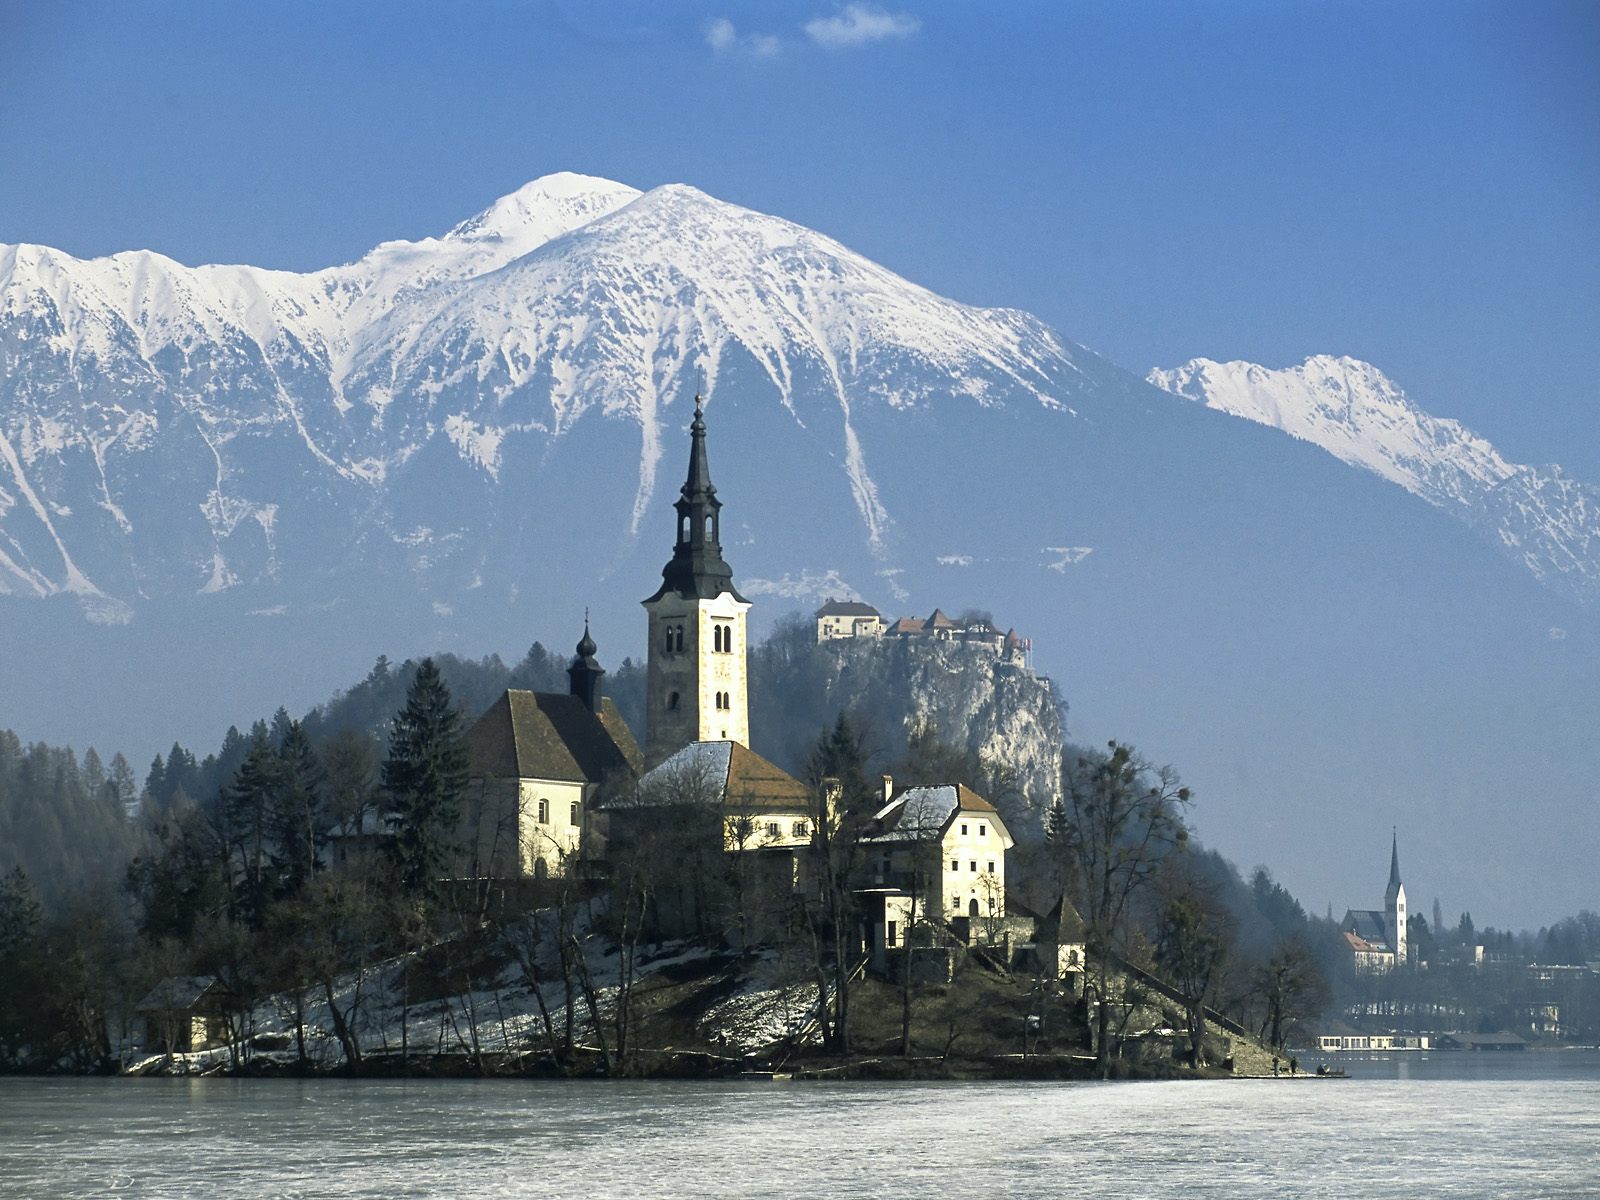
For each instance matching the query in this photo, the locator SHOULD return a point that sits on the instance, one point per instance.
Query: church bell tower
(1395, 904)
(695, 688)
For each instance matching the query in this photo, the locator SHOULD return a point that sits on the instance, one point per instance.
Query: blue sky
(1414, 184)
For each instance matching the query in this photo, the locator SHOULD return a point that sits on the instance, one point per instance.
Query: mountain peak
(545, 208)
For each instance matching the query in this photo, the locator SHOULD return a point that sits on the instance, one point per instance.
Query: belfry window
(672, 701)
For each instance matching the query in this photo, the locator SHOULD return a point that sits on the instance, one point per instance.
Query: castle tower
(695, 689)
(1394, 904)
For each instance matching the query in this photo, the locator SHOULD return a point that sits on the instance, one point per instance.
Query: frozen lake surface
(1453, 1125)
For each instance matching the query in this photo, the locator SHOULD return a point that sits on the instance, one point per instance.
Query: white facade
(697, 681)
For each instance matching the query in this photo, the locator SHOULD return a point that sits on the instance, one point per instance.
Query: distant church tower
(695, 687)
(1394, 905)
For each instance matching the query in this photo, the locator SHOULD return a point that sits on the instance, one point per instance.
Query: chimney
(888, 788)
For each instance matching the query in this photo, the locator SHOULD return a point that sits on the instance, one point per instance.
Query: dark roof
(545, 735)
(178, 992)
(1368, 925)
(1064, 923)
(938, 621)
(1394, 862)
(1468, 1040)
(847, 608)
(697, 570)
(725, 773)
(907, 625)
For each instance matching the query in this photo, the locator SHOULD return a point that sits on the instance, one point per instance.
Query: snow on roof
(919, 813)
(721, 772)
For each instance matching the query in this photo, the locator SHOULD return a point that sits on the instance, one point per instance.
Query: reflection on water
(1403, 1125)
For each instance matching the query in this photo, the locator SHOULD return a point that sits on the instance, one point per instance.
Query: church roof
(922, 813)
(1369, 925)
(545, 735)
(846, 608)
(724, 773)
(1394, 862)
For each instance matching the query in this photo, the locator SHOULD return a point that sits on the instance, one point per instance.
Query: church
(1376, 939)
(554, 778)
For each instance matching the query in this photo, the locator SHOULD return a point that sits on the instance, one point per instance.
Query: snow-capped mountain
(1537, 515)
(572, 294)
(462, 442)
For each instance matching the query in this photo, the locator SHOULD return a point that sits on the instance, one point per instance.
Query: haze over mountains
(252, 482)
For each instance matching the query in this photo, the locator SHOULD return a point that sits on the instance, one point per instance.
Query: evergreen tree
(248, 805)
(299, 810)
(425, 776)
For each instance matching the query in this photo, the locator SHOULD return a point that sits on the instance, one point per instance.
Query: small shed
(184, 1013)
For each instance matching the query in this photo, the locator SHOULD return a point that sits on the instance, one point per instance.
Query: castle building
(847, 619)
(696, 680)
(1376, 940)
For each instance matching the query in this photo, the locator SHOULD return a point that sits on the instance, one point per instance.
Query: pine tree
(298, 814)
(248, 806)
(425, 776)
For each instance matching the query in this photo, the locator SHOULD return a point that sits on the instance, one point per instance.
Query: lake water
(1460, 1125)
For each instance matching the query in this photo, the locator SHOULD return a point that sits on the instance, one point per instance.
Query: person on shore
(1294, 1066)
(1274, 1066)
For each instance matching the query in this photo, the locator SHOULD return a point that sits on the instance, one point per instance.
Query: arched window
(972, 909)
(672, 701)
(710, 527)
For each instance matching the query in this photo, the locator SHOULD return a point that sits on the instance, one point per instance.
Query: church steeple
(1394, 862)
(697, 570)
(585, 671)
(696, 686)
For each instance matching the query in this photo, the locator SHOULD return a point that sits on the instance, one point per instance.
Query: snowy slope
(169, 431)
(1353, 411)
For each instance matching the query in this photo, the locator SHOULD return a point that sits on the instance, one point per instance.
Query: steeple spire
(697, 570)
(1394, 861)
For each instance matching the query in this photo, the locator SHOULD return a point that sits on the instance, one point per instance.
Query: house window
(773, 829)
(963, 829)
(955, 865)
(893, 937)
(544, 812)
(991, 868)
(576, 821)
(801, 829)
(974, 867)
(983, 829)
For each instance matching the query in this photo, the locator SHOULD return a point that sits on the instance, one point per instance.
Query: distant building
(185, 1013)
(847, 619)
(1376, 939)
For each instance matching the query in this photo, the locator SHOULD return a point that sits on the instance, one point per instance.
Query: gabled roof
(177, 992)
(847, 608)
(1062, 924)
(545, 735)
(907, 625)
(723, 773)
(1368, 925)
(1361, 945)
(924, 813)
(938, 621)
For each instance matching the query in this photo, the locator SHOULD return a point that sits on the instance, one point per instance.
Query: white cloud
(860, 25)
(723, 37)
(1065, 556)
(954, 560)
(1557, 634)
(441, 609)
(277, 610)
